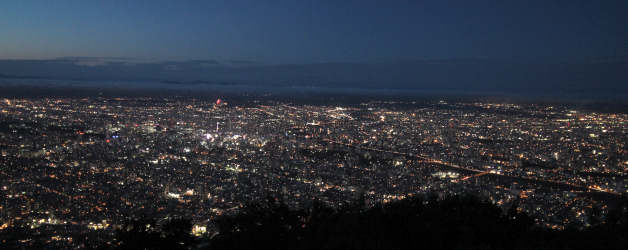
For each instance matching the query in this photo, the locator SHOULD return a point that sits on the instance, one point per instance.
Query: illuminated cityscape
(314, 125)
(75, 166)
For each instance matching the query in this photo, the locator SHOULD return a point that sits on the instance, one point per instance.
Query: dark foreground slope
(459, 222)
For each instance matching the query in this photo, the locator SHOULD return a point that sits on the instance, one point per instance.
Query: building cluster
(76, 167)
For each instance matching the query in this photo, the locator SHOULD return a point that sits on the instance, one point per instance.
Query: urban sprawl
(73, 166)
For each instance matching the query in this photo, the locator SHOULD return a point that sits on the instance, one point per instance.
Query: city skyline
(81, 166)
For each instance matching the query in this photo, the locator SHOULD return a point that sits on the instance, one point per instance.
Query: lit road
(479, 172)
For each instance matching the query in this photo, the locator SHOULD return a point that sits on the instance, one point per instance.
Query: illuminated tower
(450, 133)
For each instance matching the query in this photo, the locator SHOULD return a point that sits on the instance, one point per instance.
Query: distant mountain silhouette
(198, 82)
(19, 77)
(606, 75)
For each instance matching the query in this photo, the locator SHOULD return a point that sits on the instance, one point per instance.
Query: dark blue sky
(314, 31)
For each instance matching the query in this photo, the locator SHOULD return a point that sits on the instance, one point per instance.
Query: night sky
(548, 42)
(314, 31)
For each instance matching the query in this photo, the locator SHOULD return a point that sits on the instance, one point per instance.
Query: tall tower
(450, 133)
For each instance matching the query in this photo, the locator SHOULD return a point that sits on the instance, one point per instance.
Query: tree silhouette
(146, 234)
(420, 222)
